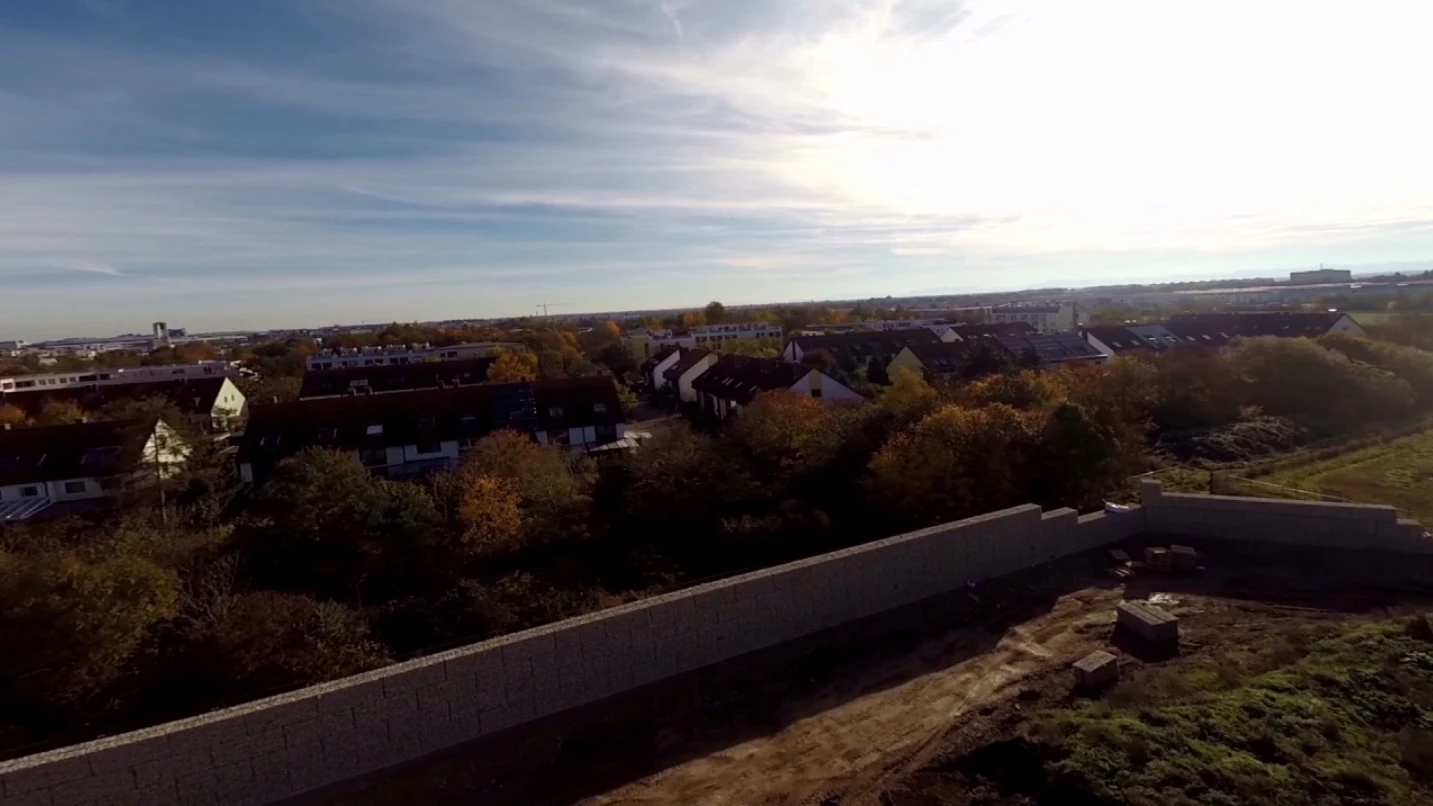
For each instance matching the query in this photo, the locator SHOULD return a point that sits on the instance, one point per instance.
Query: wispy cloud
(674, 151)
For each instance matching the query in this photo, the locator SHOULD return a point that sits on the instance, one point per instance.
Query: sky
(226, 165)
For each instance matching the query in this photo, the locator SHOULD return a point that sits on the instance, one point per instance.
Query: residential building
(122, 376)
(716, 335)
(984, 331)
(1051, 349)
(853, 351)
(211, 404)
(395, 377)
(10, 348)
(1218, 329)
(1046, 318)
(941, 361)
(734, 381)
(937, 326)
(343, 357)
(653, 367)
(647, 342)
(61, 469)
(680, 375)
(1320, 275)
(408, 433)
(1122, 339)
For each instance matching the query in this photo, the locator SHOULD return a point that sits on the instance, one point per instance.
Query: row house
(64, 469)
(733, 382)
(1218, 330)
(212, 404)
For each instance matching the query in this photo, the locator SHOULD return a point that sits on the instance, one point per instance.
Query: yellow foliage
(513, 367)
(491, 514)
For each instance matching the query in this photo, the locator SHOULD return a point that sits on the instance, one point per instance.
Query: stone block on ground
(1150, 622)
(1185, 557)
(1096, 670)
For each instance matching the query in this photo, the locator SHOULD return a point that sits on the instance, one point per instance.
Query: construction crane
(543, 306)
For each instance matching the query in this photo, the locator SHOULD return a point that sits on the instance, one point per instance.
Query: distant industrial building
(1320, 275)
(120, 376)
(1051, 318)
(648, 342)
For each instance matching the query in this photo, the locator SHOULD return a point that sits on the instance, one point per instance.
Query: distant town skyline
(268, 164)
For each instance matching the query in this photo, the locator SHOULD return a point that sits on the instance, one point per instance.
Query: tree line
(227, 594)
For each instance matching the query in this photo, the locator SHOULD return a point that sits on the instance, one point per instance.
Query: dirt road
(849, 749)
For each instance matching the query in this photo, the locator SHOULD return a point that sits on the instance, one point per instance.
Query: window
(269, 440)
(816, 393)
(430, 446)
(327, 432)
(555, 411)
(427, 423)
(469, 422)
(29, 492)
(375, 431)
(75, 487)
(599, 408)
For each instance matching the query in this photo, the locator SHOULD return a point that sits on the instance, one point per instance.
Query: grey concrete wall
(1268, 520)
(284, 745)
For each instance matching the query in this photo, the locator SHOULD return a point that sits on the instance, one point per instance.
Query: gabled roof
(658, 357)
(189, 395)
(889, 340)
(1128, 338)
(942, 358)
(577, 402)
(277, 430)
(741, 378)
(74, 451)
(395, 377)
(992, 329)
(1051, 348)
(689, 359)
(1219, 328)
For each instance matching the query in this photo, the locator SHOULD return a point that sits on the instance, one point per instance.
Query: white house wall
(685, 392)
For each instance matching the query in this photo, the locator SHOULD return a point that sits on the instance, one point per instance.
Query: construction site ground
(909, 708)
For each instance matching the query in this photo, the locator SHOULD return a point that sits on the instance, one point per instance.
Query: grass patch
(1398, 473)
(1372, 318)
(1335, 717)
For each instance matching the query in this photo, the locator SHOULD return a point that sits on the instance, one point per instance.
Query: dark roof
(396, 377)
(577, 402)
(1122, 339)
(657, 358)
(1052, 348)
(941, 358)
(74, 451)
(1220, 328)
(858, 347)
(994, 329)
(741, 378)
(688, 360)
(189, 395)
(277, 430)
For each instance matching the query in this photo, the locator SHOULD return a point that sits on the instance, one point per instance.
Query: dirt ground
(890, 714)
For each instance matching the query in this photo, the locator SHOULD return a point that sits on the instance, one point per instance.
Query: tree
(490, 512)
(715, 313)
(511, 367)
(538, 475)
(1197, 388)
(820, 359)
(59, 412)
(270, 388)
(756, 348)
(1297, 378)
(267, 641)
(909, 398)
(618, 358)
(71, 625)
(12, 416)
(324, 525)
(982, 360)
(628, 399)
(1028, 359)
(1411, 364)
(955, 463)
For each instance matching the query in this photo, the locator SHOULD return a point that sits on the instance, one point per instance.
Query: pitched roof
(657, 358)
(1051, 348)
(1219, 328)
(577, 402)
(189, 395)
(992, 329)
(1127, 338)
(741, 378)
(942, 358)
(74, 451)
(858, 347)
(689, 359)
(277, 430)
(395, 377)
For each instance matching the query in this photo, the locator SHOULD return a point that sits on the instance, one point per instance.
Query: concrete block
(181, 763)
(1150, 493)
(406, 681)
(1096, 670)
(38, 797)
(1149, 622)
(1185, 557)
(83, 790)
(19, 778)
(126, 751)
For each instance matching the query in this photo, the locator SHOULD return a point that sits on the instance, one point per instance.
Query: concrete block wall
(273, 748)
(1279, 521)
